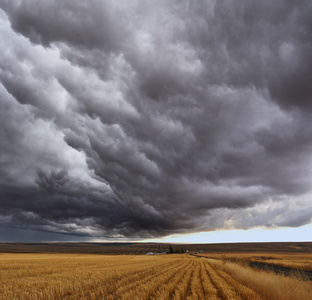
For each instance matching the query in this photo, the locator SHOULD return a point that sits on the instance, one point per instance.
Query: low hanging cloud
(141, 119)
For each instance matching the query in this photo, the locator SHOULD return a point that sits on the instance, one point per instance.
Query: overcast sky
(142, 119)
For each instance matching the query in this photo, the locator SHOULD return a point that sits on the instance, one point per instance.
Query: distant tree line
(176, 250)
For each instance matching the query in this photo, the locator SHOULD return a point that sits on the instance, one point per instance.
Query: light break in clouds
(142, 119)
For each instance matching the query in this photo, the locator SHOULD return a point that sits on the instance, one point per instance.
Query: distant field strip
(78, 276)
(281, 263)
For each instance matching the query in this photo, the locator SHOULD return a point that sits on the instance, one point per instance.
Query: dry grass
(266, 284)
(297, 261)
(78, 276)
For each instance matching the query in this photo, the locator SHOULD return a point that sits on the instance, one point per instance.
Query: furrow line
(166, 291)
(146, 288)
(99, 285)
(129, 288)
(245, 292)
(214, 288)
(224, 290)
(180, 292)
(196, 288)
(210, 291)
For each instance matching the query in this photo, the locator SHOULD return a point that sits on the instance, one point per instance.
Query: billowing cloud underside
(146, 118)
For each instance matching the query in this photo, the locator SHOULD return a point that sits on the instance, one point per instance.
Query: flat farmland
(296, 261)
(86, 248)
(142, 248)
(175, 276)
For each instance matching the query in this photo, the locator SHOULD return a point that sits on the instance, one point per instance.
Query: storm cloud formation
(145, 118)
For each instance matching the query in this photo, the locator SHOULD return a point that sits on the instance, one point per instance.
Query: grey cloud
(142, 119)
(10, 234)
(270, 214)
(77, 23)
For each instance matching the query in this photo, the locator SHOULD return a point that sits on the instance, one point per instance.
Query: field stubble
(78, 276)
(295, 261)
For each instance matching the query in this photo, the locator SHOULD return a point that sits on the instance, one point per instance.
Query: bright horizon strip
(259, 234)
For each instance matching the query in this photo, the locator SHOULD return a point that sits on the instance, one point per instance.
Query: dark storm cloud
(143, 119)
(81, 24)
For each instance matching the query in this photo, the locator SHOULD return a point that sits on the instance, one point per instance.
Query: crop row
(56, 276)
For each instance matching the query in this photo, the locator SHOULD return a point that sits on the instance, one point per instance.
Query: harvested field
(295, 260)
(142, 248)
(87, 248)
(177, 276)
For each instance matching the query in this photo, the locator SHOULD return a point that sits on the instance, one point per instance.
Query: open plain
(206, 275)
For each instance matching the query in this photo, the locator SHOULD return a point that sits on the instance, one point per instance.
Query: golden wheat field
(296, 261)
(180, 276)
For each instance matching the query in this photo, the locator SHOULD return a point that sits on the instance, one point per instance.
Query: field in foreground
(81, 276)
